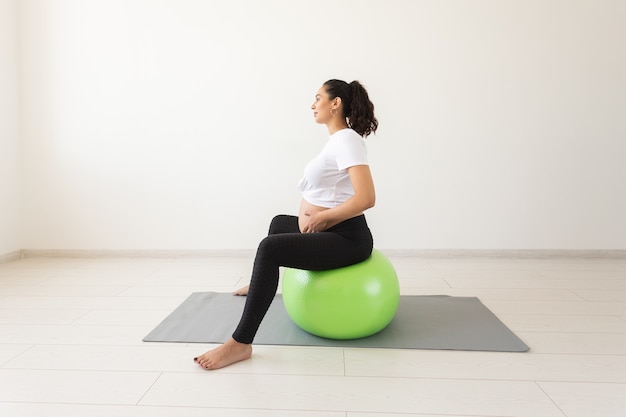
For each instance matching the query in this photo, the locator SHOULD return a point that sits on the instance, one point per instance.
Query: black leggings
(344, 244)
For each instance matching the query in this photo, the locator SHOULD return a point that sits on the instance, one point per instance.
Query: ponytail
(357, 107)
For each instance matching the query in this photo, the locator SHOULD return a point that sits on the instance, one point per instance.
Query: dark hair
(357, 107)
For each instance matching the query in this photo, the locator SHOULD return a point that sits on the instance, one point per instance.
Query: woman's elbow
(370, 201)
(365, 200)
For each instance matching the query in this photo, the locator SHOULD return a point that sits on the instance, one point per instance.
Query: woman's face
(322, 106)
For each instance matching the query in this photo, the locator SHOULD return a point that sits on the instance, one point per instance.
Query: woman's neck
(336, 125)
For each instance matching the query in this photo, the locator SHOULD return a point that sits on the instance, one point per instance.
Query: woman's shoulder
(347, 142)
(347, 138)
(347, 133)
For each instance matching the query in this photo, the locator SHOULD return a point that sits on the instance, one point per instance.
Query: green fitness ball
(345, 303)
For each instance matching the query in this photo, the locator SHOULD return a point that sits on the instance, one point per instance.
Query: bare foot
(241, 291)
(224, 355)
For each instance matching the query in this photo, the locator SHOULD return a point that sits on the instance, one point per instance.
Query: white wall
(10, 198)
(186, 124)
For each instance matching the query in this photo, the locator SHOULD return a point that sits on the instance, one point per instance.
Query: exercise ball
(345, 303)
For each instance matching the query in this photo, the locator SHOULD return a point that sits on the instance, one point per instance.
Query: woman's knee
(266, 248)
(283, 223)
(267, 259)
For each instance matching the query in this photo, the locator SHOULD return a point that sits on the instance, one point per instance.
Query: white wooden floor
(71, 330)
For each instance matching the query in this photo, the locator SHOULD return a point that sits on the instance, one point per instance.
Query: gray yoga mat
(422, 322)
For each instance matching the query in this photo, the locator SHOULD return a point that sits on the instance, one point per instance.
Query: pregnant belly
(306, 207)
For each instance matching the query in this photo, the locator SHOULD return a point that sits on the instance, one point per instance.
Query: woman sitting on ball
(330, 231)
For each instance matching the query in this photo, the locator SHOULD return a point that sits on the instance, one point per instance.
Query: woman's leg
(284, 223)
(280, 224)
(337, 247)
(313, 251)
(233, 351)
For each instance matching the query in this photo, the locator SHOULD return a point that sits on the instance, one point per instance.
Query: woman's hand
(315, 223)
(314, 219)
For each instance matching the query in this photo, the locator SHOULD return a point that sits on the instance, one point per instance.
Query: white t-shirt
(326, 182)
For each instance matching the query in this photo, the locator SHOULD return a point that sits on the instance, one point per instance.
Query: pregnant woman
(330, 231)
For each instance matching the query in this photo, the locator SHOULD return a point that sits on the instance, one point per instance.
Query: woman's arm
(364, 197)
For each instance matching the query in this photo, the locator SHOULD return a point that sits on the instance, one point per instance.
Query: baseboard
(139, 253)
(11, 256)
(416, 253)
(509, 253)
